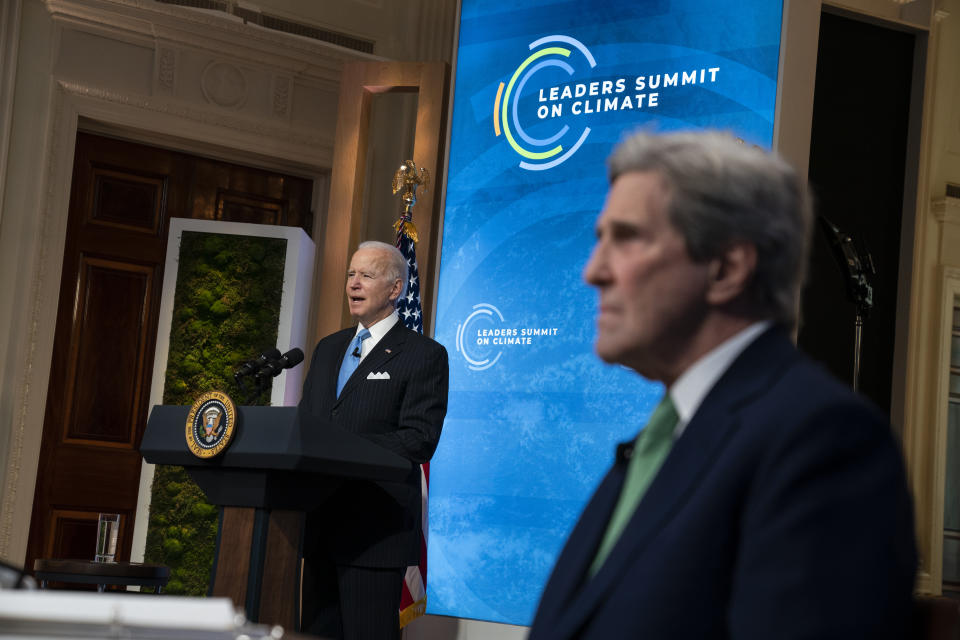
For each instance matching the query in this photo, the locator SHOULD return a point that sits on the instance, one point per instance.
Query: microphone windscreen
(268, 356)
(293, 357)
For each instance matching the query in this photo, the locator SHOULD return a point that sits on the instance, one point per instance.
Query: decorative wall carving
(21, 473)
(301, 137)
(281, 96)
(224, 85)
(180, 26)
(946, 210)
(166, 70)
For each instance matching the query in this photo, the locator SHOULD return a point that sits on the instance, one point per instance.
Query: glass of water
(108, 529)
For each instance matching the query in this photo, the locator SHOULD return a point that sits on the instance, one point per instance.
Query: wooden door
(122, 197)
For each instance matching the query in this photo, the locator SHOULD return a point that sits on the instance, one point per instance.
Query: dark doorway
(121, 200)
(857, 161)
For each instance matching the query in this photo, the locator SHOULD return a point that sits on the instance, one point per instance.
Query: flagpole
(406, 180)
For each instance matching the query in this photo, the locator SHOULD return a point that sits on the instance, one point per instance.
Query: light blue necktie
(650, 450)
(351, 360)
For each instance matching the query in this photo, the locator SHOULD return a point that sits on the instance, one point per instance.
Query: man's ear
(397, 289)
(730, 274)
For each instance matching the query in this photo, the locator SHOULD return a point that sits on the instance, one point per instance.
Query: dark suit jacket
(366, 523)
(781, 512)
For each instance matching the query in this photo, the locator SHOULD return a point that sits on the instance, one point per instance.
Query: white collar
(377, 330)
(693, 384)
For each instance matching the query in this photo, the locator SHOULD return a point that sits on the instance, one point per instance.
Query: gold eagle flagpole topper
(408, 178)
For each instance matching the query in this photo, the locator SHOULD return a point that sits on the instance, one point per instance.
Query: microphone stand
(252, 367)
(859, 270)
(265, 372)
(857, 345)
(254, 398)
(253, 395)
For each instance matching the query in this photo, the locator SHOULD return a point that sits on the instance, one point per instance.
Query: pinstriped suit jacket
(366, 523)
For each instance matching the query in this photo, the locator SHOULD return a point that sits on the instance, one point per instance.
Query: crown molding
(299, 137)
(154, 24)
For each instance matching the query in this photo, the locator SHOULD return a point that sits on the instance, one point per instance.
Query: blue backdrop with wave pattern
(534, 416)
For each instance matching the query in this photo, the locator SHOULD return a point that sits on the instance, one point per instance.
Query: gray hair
(396, 264)
(721, 191)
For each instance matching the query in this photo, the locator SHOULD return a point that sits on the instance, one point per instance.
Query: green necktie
(649, 451)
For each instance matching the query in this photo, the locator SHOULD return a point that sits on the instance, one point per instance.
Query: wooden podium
(263, 483)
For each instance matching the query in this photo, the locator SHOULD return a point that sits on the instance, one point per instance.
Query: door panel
(126, 200)
(239, 207)
(72, 531)
(112, 309)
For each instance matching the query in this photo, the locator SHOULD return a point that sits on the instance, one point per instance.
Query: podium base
(259, 548)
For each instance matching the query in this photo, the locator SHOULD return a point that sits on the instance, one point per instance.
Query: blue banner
(543, 91)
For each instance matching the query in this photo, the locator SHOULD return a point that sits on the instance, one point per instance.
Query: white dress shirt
(377, 331)
(693, 384)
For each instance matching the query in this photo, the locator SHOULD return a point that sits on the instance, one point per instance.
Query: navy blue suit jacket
(367, 523)
(781, 512)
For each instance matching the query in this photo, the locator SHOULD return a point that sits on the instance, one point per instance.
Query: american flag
(413, 598)
(409, 305)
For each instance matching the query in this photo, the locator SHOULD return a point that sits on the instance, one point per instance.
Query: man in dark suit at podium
(763, 499)
(389, 385)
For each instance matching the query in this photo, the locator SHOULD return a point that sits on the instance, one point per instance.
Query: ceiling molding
(145, 21)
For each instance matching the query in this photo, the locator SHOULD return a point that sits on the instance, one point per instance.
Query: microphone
(287, 361)
(857, 266)
(356, 352)
(251, 366)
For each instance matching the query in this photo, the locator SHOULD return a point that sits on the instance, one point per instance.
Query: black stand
(268, 477)
(858, 270)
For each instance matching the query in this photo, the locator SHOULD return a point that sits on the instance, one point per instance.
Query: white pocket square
(379, 375)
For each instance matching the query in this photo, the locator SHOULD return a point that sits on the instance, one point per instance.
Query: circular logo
(539, 154)
(471, 336)
(211, 424)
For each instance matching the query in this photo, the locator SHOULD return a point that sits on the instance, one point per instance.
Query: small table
(101, 573)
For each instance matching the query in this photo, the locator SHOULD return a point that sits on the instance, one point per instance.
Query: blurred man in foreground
(763, 499)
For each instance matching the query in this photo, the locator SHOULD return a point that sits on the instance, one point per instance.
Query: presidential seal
(211, 424)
